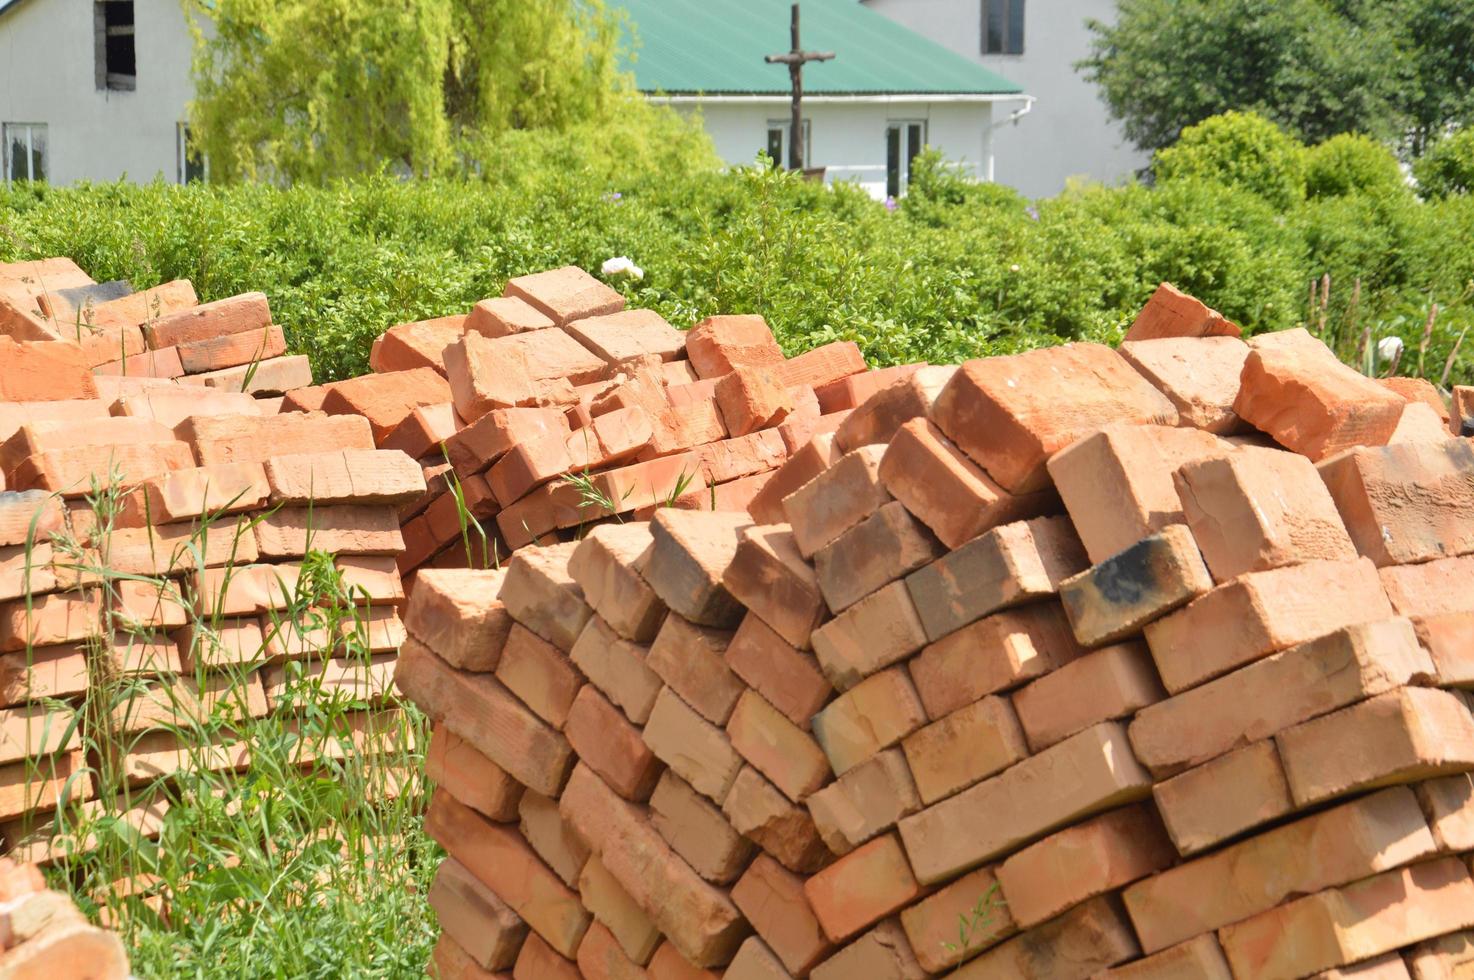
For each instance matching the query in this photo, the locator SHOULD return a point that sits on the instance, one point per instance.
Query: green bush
(1447, 167)
(1240, 149)
(1352, 164)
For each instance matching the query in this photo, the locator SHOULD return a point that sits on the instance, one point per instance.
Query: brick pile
(557, 379)
(159, 337)
(172, 600)
(1136, 663)
(42, 934)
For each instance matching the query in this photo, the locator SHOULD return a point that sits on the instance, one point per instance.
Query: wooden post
(795, 59)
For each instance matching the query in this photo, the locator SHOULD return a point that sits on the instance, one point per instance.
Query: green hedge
(959, 269)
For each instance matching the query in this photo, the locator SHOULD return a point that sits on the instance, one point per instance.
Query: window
(190, 162)
(903, 140)
(1003, 26)
(112, 42)
(778, 141)
(24, 151)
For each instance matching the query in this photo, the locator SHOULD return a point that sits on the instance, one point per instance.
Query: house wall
(47, 75)
(1068, 133)
(849, 138)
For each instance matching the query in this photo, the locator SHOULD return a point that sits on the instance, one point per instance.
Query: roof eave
(821, 97)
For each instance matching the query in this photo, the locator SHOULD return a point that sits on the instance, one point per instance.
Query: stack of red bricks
(151, 547)
(42, 934)
(164, 336)
(1136, 663)
(557, 380)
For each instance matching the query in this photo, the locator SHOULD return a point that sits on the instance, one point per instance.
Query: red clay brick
(962, 748)
(836, 500)
(773, 900)
(273, 376)
(769, 576)
(805, 463)
(454, 764)
(862, 888)
(539, 593)
(688, 560)
(565, 294)
(628, 335)
(694, 748)
(1172, 313)
(386, 400)
(1113, 600)
(821, 365)
(879, 417)
(539, 674)
(475, 918)
(760, 811)
(230, 350)
(697, 830)
(406, 346)
(873, 715)
(691, 660)
(719, 345)
(789, 678)
(751, 399)
(852, 391)
(606, 742)
(1081, 943)
(1200, 375)
(551, 837)
(181, 495)
(505, 315)
(1223, 798)
(932, 924)
(246, 439)
(1314, 405)
(337, 529)
(608, 565)
(487, 439)
(39, 372)
(776, 747)
(357, 476)
(235, 314)
(617, 667)
(1407, 503)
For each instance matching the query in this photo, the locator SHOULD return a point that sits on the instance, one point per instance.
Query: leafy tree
(309, 90)
(1352, 164)
(1239, 149)
(1448, 166)
(1441, 87)
(1315, 67)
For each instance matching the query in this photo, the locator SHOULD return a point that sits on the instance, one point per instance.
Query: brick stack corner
(1137, 663)
(43, 934)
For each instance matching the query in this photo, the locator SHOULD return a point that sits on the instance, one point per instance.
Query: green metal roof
(716, 47)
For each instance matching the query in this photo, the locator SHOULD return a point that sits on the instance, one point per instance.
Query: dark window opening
(1003, 26)
(117, 56)
(191, 161)
(778, 142)
(903, 141)
(24, 151)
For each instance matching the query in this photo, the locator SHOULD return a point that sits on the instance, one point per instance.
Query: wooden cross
(795, 60)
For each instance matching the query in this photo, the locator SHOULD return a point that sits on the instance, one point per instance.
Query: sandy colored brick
(1080, 862)
(357, 476)
(769, 576)
(1356, 922)
(1113, 682)
(873, 715)
(1114, 599)
(698, 918)
(540, 674)
(1223, 798)
(773, 900)
(789, 678)
(480, 710)
(1407, 503)
(1197, 959)
(964, 747)
(784, 753)
(605, 741)
(1172, 313)
(883, 953)
(1081, 943)
(1010, 414)
(755, 961)
(459, 614)
(550, 836)
(880, 630)
(690, 659)
(1403, 735)
(836, 500)
(759, 810)
(879, 417)
(505, 863)
(884, 547)
(864, 802)
(475, 918)
(932, 924)
(1200, 375)
(698, 751)
(565, 294)
(861, 888)
(539, 593)
(246, 439)
(1433, 588)
(539, 961)
(273, 376)
(1313, 405)
(1448, 803)
(1262, 613)
(816, 455)
(617, 668)
(1445, 958)
(1258, 509)
(340, 529)
(608, 565)
(455, 765)
(688, 559)
(697, 830)
(1085, 774)
(1117, 483)
(719, 345)
(948, 492)
(1007, 566)
(1276, 693)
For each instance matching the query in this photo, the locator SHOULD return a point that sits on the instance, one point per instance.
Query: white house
(94, 90)
(1067, 132)
(887, 93)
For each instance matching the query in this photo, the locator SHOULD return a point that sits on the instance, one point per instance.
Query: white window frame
(782, 126)
(6, 129)
(903, 128)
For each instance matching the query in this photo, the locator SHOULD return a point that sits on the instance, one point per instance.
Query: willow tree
(309, 90)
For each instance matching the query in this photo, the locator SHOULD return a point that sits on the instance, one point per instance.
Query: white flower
(1389, 348)
(1013, 268)
(622, 266)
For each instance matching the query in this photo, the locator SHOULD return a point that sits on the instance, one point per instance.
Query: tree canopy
(308, 90)
(1398, 70)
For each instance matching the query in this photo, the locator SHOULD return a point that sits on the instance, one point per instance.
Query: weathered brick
(669, 964)
(773, 900)
(836, 500)
(933, 924)
(1280, 691)
(273, 376)
(862, 888)
(691, 660)
(851, 391)
(864, 802)
(1314, 405)
(1010, 414)
(1200, 375)
(966, 746)
(1081, 943)
(459, 615)
(539, 674)
(628, 335)
(617, 668)
(608, 565)
(539, 961)
(235, 314)
(1352, 923)
(1197, 959)
(948, 492)
(525, 370)
(719, 345)
(688, 559)
(770, 577)
(474, 916)
(550, 836)
(1084, 774)
(485, 440)
(565, 294)
(358, 476)
(1445, 958)
(478, 709)
(883, 953)
(245, 439)
(1407, 503)
(1262, 613)
(503, 861)
(760, 811)
(1448, 803)
(880, 630)
(39, 621)
(877, 419)
(751, 398)
(696, 829)
(789, 678)
(606, 742)
(613, 908)
(1258, 509)
(880, 549)
(693, 747)
(505, 315)
(821, 365)
(226, 351)
(873, 715)
(338, 529)
(184, 494)
(1406, 734)
(1117, 483)
(1112, 682)
(776, 747)
(1223, 798)
(805, 462)
(1114, 599)
(1007, 566)
(1080, 862)
(460, 770)
(74, 473)
(1172, 313)
(755, 961)
(541, 595)
(37, 437)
